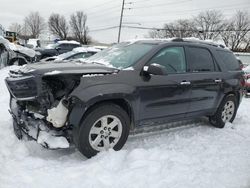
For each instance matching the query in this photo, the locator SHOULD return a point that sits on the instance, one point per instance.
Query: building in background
(2, 31)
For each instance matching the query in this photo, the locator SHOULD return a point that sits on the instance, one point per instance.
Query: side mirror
(155, 69)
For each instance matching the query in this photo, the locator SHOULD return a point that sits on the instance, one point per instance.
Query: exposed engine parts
(44, 116)
(58, 115)
(45, 103)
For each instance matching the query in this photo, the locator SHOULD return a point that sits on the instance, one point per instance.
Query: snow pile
(46, 139)
(195, 156)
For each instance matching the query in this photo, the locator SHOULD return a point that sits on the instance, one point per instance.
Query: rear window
(230, 61)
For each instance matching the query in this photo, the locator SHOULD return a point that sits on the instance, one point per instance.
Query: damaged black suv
(95, 104)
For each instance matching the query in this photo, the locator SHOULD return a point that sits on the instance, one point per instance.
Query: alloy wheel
(105, 133)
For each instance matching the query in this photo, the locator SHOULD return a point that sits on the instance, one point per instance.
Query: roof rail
(198, 41)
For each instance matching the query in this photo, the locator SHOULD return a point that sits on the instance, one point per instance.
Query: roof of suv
(189, 40)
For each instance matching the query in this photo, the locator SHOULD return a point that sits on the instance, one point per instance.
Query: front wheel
(225, 113)
(106, 126)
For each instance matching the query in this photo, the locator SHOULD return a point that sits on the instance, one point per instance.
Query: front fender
(92, 94)
(85, 97)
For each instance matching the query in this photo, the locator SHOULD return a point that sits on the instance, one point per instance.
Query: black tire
(216, 119)
(96, 113)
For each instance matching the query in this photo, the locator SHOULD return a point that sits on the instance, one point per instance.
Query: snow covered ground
(197, 156)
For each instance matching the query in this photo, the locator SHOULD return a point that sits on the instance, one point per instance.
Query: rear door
(205, 78)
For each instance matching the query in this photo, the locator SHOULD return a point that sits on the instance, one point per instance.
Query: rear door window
(200, 60)
(229, 60)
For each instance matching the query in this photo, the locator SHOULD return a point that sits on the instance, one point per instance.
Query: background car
(58, 48)
(76, 53)
(247, 79)
(11, 54)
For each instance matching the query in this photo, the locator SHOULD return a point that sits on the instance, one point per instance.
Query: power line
(194, 10)
(107, 10)
(104, 18)
(104, 29)
(164, 20)
(161, 4)
(194, 30)
(141, 1)
(100, 5)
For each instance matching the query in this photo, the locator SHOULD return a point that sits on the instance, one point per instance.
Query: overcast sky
(106, 13)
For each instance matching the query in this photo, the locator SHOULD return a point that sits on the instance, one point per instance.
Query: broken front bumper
(37, 129)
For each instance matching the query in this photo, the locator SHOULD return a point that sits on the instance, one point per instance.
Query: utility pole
(120, 25)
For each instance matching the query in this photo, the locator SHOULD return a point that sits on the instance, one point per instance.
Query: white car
(76, 53)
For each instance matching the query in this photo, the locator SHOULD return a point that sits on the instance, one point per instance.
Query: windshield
(122, 55)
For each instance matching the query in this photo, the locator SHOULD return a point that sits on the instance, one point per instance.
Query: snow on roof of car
(86, 49)
(17, 48)
(27, 51)
(101, 47)
(5, 42)
(150, 39)
(175, 39)
(67, 42)
(93, 49)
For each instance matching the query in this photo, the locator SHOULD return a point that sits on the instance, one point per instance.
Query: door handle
(217, 80)
(185, 83)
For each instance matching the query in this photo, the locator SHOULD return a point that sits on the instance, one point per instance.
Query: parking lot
(125, 94)
(196, 155)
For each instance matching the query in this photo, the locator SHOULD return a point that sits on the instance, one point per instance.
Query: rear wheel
(105, 127)
(225, 113)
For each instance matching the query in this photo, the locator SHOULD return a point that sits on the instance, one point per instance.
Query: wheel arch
(80, 111)
(234, 93)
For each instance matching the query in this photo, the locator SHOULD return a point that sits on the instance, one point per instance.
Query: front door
(165, 96)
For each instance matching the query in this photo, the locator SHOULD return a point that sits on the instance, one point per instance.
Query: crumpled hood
(49, 68)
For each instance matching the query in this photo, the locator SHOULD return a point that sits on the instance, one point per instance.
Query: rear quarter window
(229, 60)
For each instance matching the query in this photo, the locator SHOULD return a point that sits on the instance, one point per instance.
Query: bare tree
(180, 28)
(35, 24)
(157, 34)
(58, 25)
(208, 24)
(247, 42)
(16, 27)
(79, 27)
(236, 32)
